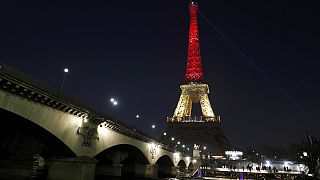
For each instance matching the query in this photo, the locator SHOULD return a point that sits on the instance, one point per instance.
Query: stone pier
(107, 171)
(80, 168)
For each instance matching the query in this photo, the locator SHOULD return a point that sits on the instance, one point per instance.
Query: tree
(307, 151)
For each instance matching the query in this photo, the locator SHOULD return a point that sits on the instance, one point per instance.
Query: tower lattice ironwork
(194, 68)
(194, 91)
(182, 125)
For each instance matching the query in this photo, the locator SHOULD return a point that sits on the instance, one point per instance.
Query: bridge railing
(194, 119)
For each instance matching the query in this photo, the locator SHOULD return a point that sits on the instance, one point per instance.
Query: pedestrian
(274, 170)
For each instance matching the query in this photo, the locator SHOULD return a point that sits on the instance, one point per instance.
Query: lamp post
(114, 103)
(171, 142)
(204, 161)
(66, 70)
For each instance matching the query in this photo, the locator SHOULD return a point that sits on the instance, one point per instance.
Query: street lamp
(66, 70)
(113, 104)
(113, 101)
(305, 154)
(153, 126)
(267, 163)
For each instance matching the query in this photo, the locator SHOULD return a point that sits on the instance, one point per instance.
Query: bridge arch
(123, 160)
(190, 166)
(165, 160)
(165, 165)
(22, 139)
(109, 138)
(120, 153)
(61, 125)
(182, 165)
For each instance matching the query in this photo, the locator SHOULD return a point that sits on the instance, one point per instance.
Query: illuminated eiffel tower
(182, 126)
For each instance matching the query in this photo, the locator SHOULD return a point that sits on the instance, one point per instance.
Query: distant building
(234, 155)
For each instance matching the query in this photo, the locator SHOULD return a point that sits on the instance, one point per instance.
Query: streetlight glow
(268, 163)
(172, 139)
(66, 70)
(164, 134)
(305, 154)
(114, 101)
(153, 126)
(137, 116)
(178, 142)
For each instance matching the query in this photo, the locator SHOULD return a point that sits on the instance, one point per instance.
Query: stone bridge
(46, 134)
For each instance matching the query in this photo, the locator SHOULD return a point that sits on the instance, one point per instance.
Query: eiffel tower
(182, 126)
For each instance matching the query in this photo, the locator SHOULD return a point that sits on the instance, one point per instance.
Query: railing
(194, 119)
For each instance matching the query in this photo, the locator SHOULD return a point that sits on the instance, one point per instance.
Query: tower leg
(183, 108)
(206, 106)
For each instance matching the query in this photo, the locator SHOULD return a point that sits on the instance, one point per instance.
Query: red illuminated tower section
(194, 67)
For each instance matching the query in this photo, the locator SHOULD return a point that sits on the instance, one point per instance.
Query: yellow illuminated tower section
(194, 93)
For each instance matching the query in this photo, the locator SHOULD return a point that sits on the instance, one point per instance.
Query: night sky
(264, 78)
